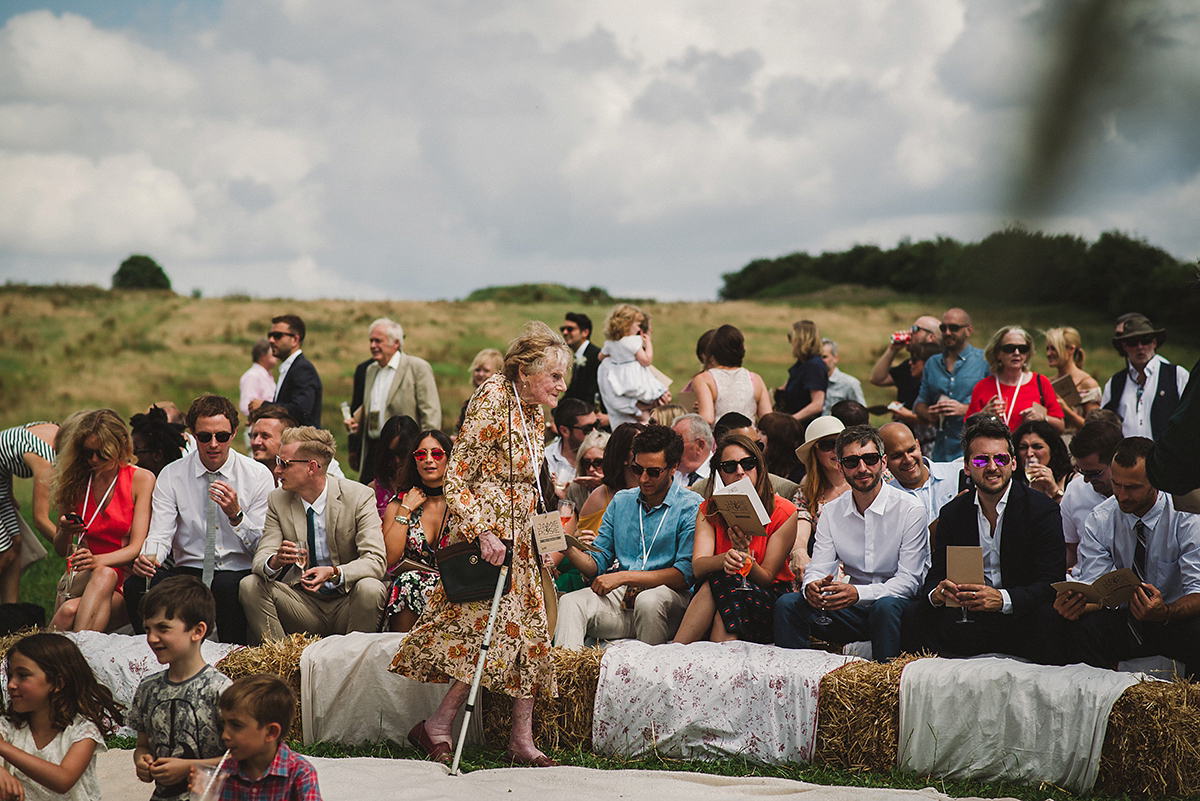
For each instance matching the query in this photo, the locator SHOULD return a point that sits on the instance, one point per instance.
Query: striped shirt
(15, 442)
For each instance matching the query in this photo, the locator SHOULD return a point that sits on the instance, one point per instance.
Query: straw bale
(562, 722)
(281, 657)
(858, 717)
(1152, 746)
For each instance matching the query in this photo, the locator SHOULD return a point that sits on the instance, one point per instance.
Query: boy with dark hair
(174, 712)
(257, 712)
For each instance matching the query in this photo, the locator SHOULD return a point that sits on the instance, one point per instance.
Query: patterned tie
(312, 538)
(693, 477)
(1139, 569)
(210, 535)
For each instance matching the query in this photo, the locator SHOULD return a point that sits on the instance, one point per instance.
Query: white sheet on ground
(121, 661)
(348, 695)
(710, 700)
(386, 779)
(998, 718)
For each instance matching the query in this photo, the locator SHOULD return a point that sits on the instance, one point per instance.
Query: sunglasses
(587, 429)
(87, 453)
(281, 462)
(950, 328)
(653, 472)
(437, 453)
(1000, 459)
(1092, 475)
(279, 334)
(914, 328)
(207, 436)
(1144, 339)
(869, 459)
(1011, 348)
(731, 465)
(826, 445)
(566, 329)
(588, 464)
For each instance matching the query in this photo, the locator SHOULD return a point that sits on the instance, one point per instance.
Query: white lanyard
(641, 520)
(103, 500)
(533, 460)
(1013, 403)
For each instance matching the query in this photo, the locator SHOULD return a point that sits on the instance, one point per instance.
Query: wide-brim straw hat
(818, 429)
(1135, 326)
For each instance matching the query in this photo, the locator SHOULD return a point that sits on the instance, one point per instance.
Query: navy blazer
(585, 384)
(1032, 553)
(300, 392)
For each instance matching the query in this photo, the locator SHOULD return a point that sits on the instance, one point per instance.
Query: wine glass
(566, 512)
(822, 618)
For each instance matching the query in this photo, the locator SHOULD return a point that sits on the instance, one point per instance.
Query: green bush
(140, 272)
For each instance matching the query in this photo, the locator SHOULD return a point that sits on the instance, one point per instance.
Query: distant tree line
(1115, 274)
(542, 293)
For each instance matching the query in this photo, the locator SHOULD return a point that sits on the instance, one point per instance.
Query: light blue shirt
(970, 367)
(938, 489)
(1172, 546)
(638, 538)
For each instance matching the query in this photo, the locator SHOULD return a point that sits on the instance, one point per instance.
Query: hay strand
(281, 657)
(1152, 745)
(563, 722)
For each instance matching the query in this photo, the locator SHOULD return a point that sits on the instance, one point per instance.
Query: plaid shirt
(290, 777)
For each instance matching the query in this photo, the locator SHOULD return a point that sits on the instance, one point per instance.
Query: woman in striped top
(26, 451)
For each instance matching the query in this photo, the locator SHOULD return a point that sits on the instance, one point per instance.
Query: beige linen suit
(354, 535)
(413, 392)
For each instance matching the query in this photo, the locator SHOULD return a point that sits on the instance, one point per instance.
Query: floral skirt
(749, 614)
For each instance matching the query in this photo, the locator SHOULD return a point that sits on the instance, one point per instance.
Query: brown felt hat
(1132, 326)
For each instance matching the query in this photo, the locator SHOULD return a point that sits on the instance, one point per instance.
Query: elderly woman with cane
(492, 493)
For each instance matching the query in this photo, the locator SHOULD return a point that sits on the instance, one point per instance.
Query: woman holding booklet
(739, 575)
(1064, 352)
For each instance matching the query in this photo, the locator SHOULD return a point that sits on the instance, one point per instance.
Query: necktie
(210, 535)
(1139, 568)
(693, 478)
(312, 538)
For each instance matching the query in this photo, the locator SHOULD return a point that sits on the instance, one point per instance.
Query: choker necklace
(432, 491)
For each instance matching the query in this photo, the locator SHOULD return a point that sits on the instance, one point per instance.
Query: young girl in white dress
(56, 719)
(628, 386)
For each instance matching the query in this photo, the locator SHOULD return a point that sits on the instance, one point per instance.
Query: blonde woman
(803, 396)
(1064, 352)
(628, 387)
(486, 364)
(1014, 393)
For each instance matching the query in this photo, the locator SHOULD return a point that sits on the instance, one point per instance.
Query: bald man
(947, 382)
(906, 376)
(933, 483)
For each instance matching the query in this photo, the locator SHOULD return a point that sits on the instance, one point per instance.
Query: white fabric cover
(348, 695)
(363, 779)
(121, 661)
(710, 700)
(995, 718)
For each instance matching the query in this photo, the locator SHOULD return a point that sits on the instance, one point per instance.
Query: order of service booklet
(740, 505)
(1109, 591)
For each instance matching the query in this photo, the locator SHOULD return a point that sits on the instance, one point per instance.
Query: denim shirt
(667, 531)
(969, 369)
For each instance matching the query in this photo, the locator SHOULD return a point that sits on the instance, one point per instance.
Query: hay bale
(281, 657)
(561, 723)
(1152, 745)
(858, 717)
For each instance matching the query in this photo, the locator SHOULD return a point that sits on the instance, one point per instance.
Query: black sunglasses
(87, 453)
(869, 459)
(731, 465)
(827, 445)
(1144, 339)
(653, 472)
(950, 328)
(587, 429)
(1013, 348)
(206, 436)
(588, 464)
(279, 334)
(1092, 475)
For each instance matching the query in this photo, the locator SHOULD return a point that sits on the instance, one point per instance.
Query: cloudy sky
(424, 148)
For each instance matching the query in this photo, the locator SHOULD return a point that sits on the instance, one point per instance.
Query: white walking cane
(483, 649)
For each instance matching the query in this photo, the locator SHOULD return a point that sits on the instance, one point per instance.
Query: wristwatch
(236, 520)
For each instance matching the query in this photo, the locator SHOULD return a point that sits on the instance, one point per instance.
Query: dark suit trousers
(1039, 636)
(1104, 638)
(370, 446)
(231, 618)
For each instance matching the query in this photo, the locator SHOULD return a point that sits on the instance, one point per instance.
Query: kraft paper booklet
(659, 374)
(687, 400)
(1064, 385)
(740, 505)
(964, 565)
(1109, 591)
(548, 533)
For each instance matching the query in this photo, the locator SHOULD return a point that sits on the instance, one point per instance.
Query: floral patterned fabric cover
(708, 700)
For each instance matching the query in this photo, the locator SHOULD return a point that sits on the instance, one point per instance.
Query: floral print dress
(481, 497)
(412, 588)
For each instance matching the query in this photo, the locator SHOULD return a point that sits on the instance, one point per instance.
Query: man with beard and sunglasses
(878, 534)
(1146, 393)
(207, 512)
(947, 383)
(642, 565)
(1020, 532)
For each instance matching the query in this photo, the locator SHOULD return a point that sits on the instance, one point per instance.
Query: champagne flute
(822, 618)
(566, 512)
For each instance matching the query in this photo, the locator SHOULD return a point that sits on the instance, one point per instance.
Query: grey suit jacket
(353, 530)
(413, 392)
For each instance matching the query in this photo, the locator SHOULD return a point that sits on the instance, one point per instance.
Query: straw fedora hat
(818, 429)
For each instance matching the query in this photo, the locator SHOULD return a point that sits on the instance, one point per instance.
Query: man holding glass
(207, 513)
(879, 535)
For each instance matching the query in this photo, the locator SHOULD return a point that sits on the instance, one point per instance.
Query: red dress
(110, 530)
(1035, 389)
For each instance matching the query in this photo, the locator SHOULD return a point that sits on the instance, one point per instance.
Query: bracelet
(405, 506)
(402, 519)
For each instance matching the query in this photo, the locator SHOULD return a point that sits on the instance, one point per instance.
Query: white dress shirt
(989, 539)
(284, 366)
(179, 512)
(379, 395)
(1135, 413)
(884, 552)
(562, 470)
(938, 489)
(702, 471)
(1172, 546)
(1078, 501)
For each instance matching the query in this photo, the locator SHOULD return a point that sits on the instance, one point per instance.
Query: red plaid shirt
(290, 777)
